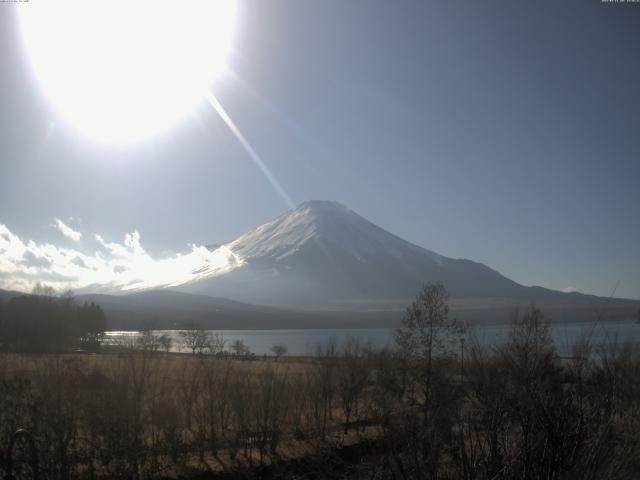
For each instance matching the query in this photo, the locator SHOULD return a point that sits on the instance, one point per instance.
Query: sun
(122, 71)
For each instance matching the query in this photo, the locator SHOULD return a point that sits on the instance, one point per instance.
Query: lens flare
(217, 106)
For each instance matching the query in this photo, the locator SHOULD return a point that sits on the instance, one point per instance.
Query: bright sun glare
(121, 71)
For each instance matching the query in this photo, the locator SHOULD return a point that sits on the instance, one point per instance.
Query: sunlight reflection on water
(305, 342)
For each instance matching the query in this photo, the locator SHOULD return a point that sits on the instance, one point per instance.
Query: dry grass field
(137, 413)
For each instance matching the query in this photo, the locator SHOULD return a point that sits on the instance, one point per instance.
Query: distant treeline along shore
(43, 322)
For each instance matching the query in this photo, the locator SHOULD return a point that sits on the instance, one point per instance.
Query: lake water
(305, 342)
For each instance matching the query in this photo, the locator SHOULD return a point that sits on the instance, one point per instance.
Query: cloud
(79, 262)
(570, 290)
(115, 266)
(66, 230)
(30, 259)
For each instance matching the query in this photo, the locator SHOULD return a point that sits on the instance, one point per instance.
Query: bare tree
(427, 331)
(166, 342)
(213, 413)
(148, 341)
(239, 348)
(217, 343)
(195, 339)
(43, 290)
(279, 349)
(353, 375)
(425, 340)
(322, 387)
(269, 411)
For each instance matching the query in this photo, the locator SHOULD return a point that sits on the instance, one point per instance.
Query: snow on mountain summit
(324, 222)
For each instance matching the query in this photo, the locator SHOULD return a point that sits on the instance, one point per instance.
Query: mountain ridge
(167, 309)
(323, 254)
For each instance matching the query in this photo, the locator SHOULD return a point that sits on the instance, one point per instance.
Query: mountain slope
(323, 254)
(165, 309)
(6, 295)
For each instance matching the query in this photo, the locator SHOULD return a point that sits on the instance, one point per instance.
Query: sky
(499, 131)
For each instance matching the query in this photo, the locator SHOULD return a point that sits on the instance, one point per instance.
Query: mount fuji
(322, 255)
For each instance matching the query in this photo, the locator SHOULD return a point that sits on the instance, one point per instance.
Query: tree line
(44, 321)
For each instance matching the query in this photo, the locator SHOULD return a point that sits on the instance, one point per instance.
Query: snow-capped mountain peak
(323, 253)
(325, 222)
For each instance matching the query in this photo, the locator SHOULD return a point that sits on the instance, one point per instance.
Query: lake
(305, 342)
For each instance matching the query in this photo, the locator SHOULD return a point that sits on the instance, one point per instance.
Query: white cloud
(116, 266)
(570, 290)
(66, 230)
